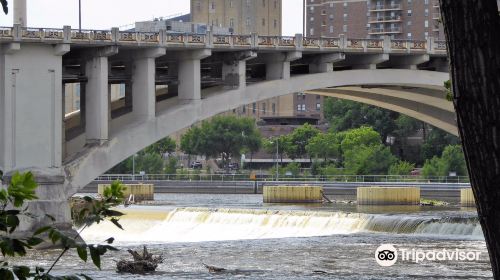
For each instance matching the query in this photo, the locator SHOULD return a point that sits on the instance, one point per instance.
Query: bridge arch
(129, 136)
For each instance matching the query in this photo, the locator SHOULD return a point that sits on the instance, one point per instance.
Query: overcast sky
(104, 14)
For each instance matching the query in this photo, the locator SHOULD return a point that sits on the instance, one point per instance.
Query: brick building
(400, 19)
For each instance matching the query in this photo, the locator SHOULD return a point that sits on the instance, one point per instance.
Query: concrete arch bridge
(171, 81)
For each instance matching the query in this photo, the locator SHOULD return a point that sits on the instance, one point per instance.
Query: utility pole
(304, 18)
(80, 16)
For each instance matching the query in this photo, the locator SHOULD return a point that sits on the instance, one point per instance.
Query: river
(253, 240)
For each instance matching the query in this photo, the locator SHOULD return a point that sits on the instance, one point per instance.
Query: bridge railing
(246, 177)
(209, 40)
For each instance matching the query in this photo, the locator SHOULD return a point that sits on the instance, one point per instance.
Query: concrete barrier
(467, 198)
(292, 194)
(388, 196)
(141, 192)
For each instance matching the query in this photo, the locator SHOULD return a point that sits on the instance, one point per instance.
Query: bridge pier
(324, 63)
(97, 98)
(234, 69)
(190, 73)
(278, 65)
(143, 83)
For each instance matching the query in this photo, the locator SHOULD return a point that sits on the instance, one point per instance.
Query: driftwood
(140, 264)
(214, 269)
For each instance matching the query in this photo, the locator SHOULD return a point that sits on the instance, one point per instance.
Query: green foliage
(149, 163)
(360, 136)
(171, 167)
(165, 145)
(295, 146)
(401, 168)
(292, 167)
(22, 189)
(269, 145)
(452, 160)
(436, 141)
(324, 145)
(368, 160)
(331, 170)
(344, 115)
(223, 136)
(449, 93)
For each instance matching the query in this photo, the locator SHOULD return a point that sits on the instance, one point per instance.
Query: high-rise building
(243, 16)
(400, 19)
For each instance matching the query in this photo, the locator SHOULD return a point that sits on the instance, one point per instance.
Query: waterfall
(203, 224)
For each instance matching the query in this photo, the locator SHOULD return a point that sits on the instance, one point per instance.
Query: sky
(104, 14)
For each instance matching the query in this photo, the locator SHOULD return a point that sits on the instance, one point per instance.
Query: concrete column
(20, 13)
(324, 63)
(189, 74)
(97, 103)
(408, 61)
(278, 65)
(30, 107)
(143, 83)
(234, 68)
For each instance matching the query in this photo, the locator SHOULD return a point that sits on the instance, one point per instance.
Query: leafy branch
(22, 189)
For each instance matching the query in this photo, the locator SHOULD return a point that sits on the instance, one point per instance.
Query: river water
(253, 240)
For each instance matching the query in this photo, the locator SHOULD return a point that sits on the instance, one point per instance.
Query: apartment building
(400, 19)
(243, 16)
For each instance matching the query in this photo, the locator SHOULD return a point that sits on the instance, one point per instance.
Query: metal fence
(247, 177)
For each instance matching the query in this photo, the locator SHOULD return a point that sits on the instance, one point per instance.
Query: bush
(401, 168)
(171, 167)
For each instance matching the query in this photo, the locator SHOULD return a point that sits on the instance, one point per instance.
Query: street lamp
(133, 167)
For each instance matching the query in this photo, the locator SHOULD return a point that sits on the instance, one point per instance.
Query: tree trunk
(472, 28)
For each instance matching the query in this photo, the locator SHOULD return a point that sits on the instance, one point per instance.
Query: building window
(345, 17)
(311, 31)
(426, 2)
(331, 4)
(275, 23)
(345, 4)
(264, 108)
(303, 107)
(311, 8)
(311, 19)
(248, 22)
(409, 35)
(230, 3)
(298, 107)
(318, 106)
(426, 34)
(248, 3)
(254, 108)
(264, 3)
(323, 12)
(231, 22)
(275, 4)
(213, 5)
(408, 23)
(409, 13)
(198, 6)
(426, 12)
(263, 22)
(426, 24)
(344, 28)
(331, 17)
(323, 23)
(274, 108)
(244, 109)
(409, 2)
(331, 28)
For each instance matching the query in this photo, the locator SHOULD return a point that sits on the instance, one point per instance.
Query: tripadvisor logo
(387, 255)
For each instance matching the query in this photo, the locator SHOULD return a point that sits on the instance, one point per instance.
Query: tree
(451, 160)
(436, 142)
(324, 145)
(222, 136)
(359, 136)
(346, 114)
(270, 146)
(401, 168)
(149, 163)
(298, 140)
(171, 167)
(471, 29)
(165, 145)
(368, 160)
(405, 127)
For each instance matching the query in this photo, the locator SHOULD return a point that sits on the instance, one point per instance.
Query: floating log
(141, 264)
(213, 269)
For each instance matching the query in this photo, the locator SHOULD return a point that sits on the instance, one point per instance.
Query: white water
(201, 224)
